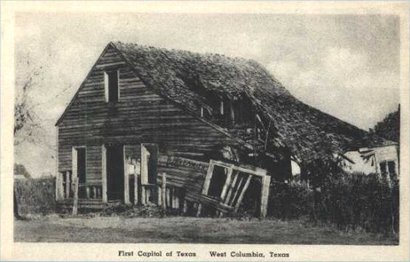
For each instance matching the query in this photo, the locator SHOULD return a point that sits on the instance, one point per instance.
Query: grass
(186, 230)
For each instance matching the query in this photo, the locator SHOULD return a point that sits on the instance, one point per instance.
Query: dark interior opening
(115, 172)
(81, 170)
(383, 168)
(250, 205)
(112, 86)
(131, 187)
(392, 167)
(217, 182)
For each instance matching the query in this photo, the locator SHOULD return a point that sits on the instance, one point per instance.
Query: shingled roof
(306, 131)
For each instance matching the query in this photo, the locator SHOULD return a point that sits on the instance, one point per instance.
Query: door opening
(81, 164)
(115, 172)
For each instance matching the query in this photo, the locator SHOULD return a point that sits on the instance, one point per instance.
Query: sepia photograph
(271, 128)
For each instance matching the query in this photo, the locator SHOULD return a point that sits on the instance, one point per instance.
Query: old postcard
(204, 131)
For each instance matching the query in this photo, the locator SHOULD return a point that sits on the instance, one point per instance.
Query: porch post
(135, 185)
(164, 191)
(144, 174)
(67, 184)
(143, 195)
(126, 179)
(74, 168)
(75, 203)
(104, 173)
(265, 195)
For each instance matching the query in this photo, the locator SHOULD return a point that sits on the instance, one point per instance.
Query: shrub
(35, 196)
(346, 200)
(290, 201)
(357, 200)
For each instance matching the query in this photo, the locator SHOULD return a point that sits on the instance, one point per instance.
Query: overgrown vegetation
(35, 196)
(290, 201)
(350, 201)
(389, 127)
(20, 169)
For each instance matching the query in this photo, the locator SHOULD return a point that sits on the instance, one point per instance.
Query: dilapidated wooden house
(143, 112)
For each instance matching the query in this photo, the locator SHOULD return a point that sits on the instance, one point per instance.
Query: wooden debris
(245, 187)
(237, 181)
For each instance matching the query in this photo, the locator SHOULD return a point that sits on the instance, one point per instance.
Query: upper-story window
(388, 167)
(112, 91)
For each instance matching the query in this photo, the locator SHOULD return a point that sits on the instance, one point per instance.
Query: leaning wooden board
(184, 173)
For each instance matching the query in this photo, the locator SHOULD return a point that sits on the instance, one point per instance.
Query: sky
(345, 65)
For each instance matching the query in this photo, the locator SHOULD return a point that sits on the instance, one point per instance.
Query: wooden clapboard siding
(94, 156)
(190, 178)
(133, 151)
(140, 116)
(93, 160)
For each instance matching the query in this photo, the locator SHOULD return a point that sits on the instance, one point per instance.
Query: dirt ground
(185, 230)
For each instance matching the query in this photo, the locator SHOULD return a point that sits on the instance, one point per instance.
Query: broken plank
(245, 187)
(232, 201)
(231, 186)
(227, 183)
(208, 177)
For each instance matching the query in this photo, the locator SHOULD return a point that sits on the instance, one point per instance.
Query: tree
(389, 127)
(25, 121)
(25, 118)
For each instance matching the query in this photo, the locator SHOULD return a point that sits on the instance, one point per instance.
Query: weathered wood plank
(264, 195)
(227, 183)
(231, 187)
(245, 187)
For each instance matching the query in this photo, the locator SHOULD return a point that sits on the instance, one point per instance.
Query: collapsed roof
(179, 75)
(306, 131)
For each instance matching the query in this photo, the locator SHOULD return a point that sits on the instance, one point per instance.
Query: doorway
(81, 165)
(115, 172)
